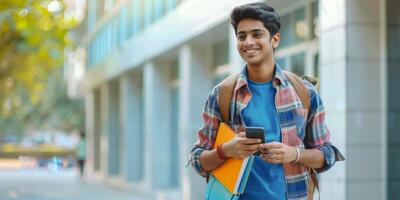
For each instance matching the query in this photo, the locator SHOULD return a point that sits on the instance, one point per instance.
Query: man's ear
(275, 40)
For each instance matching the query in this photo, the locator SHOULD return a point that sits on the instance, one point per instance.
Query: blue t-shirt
(266, 181)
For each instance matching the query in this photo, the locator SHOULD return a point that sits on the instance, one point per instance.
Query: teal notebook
(217, 191)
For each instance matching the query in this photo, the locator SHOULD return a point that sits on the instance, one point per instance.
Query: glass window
(282, 63)
(316, 27)
(220, 61)
(100, 9)
(174, 70)
(221, 56)
(108, 5)
(109, 35)
(124, 26)
(286, 31)
(137, 8)
(92, 15)
(147, 12)
(301, 28)
(218, 78)
(97, 49)
(170, 4)
(298, 63)
(115, 32)
(294, 27)
(158, 9)
(102, 43)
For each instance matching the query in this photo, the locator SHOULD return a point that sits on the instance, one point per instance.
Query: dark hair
(260, 11)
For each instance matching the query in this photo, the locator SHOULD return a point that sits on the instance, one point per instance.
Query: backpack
(227, 86)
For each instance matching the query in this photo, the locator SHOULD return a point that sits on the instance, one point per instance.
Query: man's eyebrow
(253, 30)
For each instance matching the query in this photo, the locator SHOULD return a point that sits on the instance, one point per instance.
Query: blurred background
(121, 84)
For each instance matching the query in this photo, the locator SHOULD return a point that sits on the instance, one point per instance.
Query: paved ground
(45, 185)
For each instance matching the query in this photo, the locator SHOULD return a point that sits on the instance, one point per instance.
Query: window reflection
(298, 64)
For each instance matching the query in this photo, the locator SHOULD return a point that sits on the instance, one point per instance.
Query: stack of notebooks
(232, 175)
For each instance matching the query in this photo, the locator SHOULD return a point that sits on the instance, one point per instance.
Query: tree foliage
(33, 36)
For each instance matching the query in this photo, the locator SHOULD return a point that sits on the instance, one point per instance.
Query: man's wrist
(297, 155)
(221, 153)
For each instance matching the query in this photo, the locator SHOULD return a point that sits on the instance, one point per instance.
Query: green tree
(31, 46)
(33, 36)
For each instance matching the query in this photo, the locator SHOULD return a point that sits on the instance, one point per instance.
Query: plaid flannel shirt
(293, 118)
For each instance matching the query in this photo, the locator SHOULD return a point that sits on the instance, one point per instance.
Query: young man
(264, 97)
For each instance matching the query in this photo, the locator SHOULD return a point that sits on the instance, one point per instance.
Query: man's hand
(276, 152)
(241, 147)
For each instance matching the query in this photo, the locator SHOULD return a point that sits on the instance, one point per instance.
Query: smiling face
(254, 42)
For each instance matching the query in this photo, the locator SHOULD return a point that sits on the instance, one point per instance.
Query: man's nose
(249, 41)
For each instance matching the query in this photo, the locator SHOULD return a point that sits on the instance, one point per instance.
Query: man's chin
(253, 62)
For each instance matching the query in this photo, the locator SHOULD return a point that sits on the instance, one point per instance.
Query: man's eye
(241, 37)
(257, 35)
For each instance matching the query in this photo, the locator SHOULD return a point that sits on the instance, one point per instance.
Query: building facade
(150, 65)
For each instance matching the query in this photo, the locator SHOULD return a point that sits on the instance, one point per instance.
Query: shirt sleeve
(207, 134)
(317, 133)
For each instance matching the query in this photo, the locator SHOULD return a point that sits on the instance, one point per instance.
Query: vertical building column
(90, 132)
(184, 99)
(104, 102)
(196, 84)
(367, 136)
(351, 49)
(333, 61)
(157, 149)
(110, 130)
(114, 135)
(393, 98)
(131, 127)
(97, 130)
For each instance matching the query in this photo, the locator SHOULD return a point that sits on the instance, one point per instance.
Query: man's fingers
(251, 147)
(274, 156)
(248, 141)
(241, 134)
(275, 151)
(272, 145)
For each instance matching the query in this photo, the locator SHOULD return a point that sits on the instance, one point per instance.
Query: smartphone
(256, 133)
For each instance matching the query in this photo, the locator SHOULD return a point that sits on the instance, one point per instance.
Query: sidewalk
(39, 184)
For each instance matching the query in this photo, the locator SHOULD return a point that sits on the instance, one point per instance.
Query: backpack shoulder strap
(300, 88)
(302, 91)
(227, 86)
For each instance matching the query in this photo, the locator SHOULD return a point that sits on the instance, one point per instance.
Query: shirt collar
(279, 77)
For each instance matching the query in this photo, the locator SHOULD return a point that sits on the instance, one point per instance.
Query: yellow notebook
(230, 173)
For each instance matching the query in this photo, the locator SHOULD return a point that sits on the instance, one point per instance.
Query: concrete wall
(353, 86)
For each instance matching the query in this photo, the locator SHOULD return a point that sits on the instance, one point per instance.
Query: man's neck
(261, 73)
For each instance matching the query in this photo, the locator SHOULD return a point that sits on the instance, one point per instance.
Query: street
(35, 184)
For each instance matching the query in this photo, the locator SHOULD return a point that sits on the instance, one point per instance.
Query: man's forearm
(312, 158)
(209, 160)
